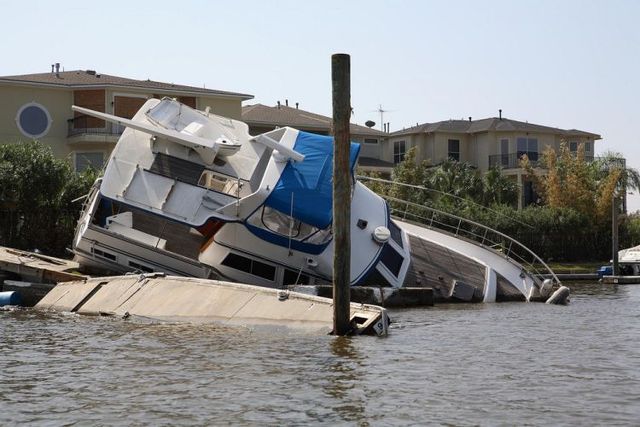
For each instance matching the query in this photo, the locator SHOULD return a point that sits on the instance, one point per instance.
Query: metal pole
(614, 234)
(340, 78)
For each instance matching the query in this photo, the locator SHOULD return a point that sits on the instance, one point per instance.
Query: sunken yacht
(190, 193)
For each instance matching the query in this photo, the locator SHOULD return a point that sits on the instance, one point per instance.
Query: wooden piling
(614, 236)
(340, 78)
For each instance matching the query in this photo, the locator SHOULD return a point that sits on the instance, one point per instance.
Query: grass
(576, 267)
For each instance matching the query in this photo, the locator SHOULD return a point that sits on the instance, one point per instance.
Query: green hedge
(36, 193)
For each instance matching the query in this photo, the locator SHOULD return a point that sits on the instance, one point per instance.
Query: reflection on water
(490, 364)
(344, 372)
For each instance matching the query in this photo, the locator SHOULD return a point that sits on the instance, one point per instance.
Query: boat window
(318, 236)
(287, 226)
(391, 259)
(140, 267)
(103, 254)
(291, 278)
(280, 223)
(251, 266)
(374, 278)
(396, 234)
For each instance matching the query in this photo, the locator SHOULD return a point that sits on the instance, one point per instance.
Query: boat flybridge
(190, 193)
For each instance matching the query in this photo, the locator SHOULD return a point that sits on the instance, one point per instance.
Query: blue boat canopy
(310, 181)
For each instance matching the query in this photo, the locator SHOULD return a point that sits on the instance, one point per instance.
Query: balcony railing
(83, 125)
(512, 160)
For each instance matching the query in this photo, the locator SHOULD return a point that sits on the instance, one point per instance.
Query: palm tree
(629, 177)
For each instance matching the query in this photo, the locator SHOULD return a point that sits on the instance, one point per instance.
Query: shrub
(36, 193)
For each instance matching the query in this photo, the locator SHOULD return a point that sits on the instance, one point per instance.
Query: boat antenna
(291, 225)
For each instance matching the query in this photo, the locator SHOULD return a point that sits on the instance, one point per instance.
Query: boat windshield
(287, 226)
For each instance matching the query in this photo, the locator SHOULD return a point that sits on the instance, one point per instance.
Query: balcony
(512, 160)
(85, 125)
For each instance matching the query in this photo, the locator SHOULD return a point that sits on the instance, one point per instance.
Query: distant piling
(340, 78)
(614, 236)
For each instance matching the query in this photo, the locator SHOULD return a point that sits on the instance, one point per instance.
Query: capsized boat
(190, 193)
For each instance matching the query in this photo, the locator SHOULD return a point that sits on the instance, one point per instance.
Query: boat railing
(469, 230)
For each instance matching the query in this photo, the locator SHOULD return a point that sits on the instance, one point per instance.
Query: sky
(567, 64)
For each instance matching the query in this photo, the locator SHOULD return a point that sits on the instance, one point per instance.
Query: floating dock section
(34, 267)
(180, 299)
(621, 280)
(31, 275)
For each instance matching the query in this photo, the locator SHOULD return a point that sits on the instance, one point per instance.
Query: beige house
(38, 106)
(262, 118)
(485, 143)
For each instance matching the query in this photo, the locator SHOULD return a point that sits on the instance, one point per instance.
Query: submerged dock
(180, 299)
(38, 268)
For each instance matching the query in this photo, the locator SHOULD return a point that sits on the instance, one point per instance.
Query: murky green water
(493, 364)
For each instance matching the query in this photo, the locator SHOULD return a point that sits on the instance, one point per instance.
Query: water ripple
(494, 364)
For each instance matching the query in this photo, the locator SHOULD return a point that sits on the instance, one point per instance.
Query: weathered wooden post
(614, 235)
(340, 78)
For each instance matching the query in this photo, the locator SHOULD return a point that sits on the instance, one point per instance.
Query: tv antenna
(381, 111)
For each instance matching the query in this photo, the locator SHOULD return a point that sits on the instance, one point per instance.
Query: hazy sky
(569, 64)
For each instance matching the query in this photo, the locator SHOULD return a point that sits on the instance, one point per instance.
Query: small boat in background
(629, 261)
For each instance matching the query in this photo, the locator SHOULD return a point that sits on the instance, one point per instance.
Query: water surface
(484, 364)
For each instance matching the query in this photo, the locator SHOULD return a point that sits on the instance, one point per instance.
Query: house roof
(493, 124)
(282, 115)
(84, 79)
(373, 162)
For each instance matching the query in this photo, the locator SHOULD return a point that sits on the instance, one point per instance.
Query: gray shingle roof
(493, 124)
(373, 162)
(259, 114)
(79, 79)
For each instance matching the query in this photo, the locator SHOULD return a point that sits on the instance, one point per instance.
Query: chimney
(500, 113)
(52, 65)
(469, 118)
(296, 105)
(388, 126)
(278, 105)
(286, 102)
(57, 69)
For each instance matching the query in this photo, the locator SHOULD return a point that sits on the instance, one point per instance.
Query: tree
(570, 181)
(36, 193)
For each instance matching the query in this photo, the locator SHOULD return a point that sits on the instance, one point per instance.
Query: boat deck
(438, 267)
(179, 237)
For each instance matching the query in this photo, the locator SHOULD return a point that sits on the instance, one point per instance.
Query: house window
(504, 152)
(84, 161)
(573, 147)
(399, 148)
(370, 141)
(33, 120)
(587, 147)
(454, 149)
(528, 146)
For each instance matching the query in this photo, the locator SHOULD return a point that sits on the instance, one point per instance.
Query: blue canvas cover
(310, 181)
